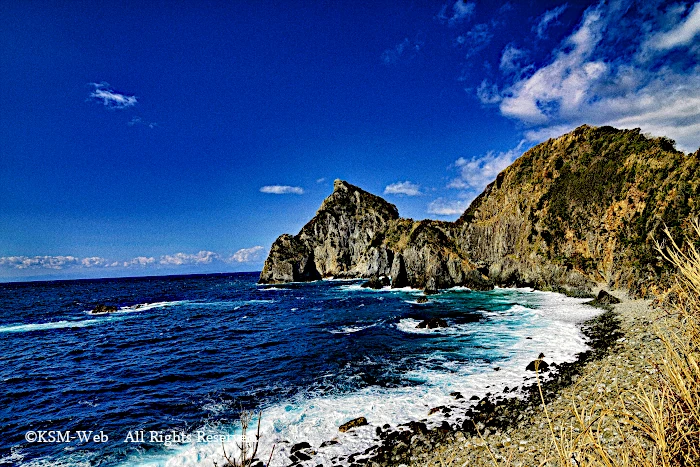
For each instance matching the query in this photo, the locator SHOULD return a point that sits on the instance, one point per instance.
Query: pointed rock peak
(339, 185)
(345, 194)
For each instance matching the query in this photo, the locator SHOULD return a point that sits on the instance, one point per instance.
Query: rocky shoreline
(516, 429)
(501, 422)
(491, 417)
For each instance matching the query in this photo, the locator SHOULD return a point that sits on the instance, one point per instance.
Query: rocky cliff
(585, 207)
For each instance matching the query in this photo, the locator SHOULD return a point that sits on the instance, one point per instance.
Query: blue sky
(183, 137)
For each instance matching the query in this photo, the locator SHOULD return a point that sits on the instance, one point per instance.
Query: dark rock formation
(538, 365)
(103, 309)
(582, 208)
(605, 298)
(432, 323)
(360, 421)
(298, 446)
(422, 299)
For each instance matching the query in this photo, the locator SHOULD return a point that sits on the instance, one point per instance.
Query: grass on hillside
(658, 423)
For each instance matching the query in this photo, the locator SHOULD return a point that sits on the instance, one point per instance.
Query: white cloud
(111, 99)
(445, 207)
(546, 19)
(488, 93)
(587, 80)
(142, 261)
(681, 34)
(140, 121)
(511, 59)
(476, 39)
(404, 48)
(476, 173)
(94, 262)
(39, 262)
(248, 255)
(321, 180)
(180, 259)
(461, 11)
(282, 189)
(403, 188)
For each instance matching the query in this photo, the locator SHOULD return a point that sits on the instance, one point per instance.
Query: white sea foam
(151, 306)
(550, 320)
(51, 325)
(355, 328)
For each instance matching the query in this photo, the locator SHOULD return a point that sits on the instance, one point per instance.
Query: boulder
(377, 283)
(422, 299)
(298, 446)
(103, 309)
(538, 365)
(432, 323)
(360, 421)
(605, 298)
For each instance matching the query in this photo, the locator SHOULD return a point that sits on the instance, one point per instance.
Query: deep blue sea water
(184, 354)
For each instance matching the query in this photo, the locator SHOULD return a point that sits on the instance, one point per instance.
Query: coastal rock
(422, 299)
(432, 323)
(538, 365)
(570, 212)
(341, 239)
(360, 421)
(298, 446)
(103, 309)
(606, 299)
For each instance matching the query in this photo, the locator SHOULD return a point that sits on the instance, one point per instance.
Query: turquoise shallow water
(184, 354)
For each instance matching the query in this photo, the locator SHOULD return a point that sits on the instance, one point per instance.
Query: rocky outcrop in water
(103, 309)
(582, 208)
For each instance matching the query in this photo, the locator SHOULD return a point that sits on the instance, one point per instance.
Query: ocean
(183, 355)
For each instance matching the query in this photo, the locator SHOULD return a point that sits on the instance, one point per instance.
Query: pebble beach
(518, 431)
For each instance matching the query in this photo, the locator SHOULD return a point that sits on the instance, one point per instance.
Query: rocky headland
(581, 209)
(577, 214)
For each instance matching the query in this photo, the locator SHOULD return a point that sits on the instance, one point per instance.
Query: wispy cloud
(403, 188)
(139, 121)
(546, 19)
(459, 11)
(282, 189)
(447, 207)
(681, 34)
(405, 48)
(488, 93)
(476, 173)
(110, 98)
(511, 59)
(588, 80)
(248, 255)
(476, 39)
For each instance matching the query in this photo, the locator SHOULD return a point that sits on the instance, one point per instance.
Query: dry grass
(657, 424)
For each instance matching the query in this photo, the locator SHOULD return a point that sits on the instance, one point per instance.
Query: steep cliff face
(584, 207)
(581, 208)
(336, 242)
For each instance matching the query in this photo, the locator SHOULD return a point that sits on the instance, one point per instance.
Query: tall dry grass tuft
(673, 408)
(658, 423)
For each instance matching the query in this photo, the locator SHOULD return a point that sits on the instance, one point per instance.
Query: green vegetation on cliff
(581, 208)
